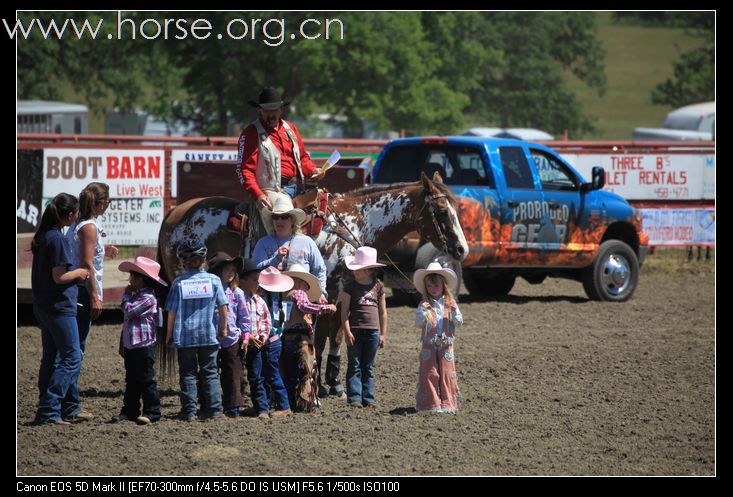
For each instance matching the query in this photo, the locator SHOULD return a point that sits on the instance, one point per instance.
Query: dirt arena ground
(552, 384)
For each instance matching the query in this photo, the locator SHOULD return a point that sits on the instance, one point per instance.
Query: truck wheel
(482, 286)
(428, 253)
(614, 273)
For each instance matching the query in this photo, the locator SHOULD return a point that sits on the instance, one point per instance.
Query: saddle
(315, 205)
(313, 202)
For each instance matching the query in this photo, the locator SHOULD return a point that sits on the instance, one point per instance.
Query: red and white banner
(137, 186)
(652, 176)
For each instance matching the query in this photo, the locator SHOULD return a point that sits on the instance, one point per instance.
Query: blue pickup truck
(525, 213)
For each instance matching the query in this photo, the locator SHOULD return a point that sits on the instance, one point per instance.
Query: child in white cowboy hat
(437, 317)
(301, 375)
(263, 357)
(141, 319)
(364, 319)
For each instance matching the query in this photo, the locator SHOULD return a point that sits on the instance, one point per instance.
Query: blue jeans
(292, 190)
(60, 363)
(360, 372)
(274, 386)
(71, 405)
(254, 360)
(199, 362)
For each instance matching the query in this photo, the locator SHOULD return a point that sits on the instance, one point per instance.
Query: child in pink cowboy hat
(137, 343)
(437, 317)
(263, 356)
(364, 319)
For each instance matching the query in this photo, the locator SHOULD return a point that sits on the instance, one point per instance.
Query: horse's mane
(376, 189)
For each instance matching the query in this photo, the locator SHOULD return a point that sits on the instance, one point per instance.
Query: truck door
(469, 175)
(521, 211)
(562, 207)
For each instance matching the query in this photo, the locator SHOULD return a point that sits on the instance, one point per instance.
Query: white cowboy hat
(143, 265)
(364, 257)
(273, 280)
(298, 271)
(418, 278)
(283, 205)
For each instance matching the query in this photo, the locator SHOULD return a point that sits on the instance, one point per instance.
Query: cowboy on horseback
(272, 161)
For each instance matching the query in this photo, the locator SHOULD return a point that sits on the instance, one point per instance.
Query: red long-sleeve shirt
(249, 150)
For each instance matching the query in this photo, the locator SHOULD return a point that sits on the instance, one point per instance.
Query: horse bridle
(431, 207)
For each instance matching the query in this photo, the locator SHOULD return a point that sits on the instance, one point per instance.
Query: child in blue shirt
(191, 302)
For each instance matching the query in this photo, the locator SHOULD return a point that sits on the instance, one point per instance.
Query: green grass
(637, 60)
(677, 260)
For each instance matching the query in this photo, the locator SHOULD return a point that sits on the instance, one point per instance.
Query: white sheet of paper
(196, 289)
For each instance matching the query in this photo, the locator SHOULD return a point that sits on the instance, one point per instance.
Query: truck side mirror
(598, 180)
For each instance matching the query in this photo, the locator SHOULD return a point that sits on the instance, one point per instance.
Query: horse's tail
(166, 357)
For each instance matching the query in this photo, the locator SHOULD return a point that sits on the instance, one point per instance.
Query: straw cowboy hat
(273, 280)
(433, 268)
(365, 257)
(223, 258)
(145, 266)
(298, 271)
(269, 99)
(283, 205)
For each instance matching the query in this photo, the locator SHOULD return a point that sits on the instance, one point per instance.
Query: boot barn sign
(136, 180)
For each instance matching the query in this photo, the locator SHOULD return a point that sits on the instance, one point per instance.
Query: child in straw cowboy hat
(301, 374)
(437, 317)
(364, 319)
(141, 319)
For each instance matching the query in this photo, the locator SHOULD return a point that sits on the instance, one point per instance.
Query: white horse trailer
(45, 117)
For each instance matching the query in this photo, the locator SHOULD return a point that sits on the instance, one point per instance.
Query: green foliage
(95, 69)
(432, 72)
(694, 74)
(694, 80)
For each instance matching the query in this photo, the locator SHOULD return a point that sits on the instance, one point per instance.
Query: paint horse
(377, 216)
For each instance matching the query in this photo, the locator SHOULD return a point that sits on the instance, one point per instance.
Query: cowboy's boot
(332, 376)
(322, 392)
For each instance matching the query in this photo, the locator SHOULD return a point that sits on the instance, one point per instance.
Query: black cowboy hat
(269, 99)
(224, 258)
(249, 267)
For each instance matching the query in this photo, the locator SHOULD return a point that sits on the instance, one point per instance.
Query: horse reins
(356, 243)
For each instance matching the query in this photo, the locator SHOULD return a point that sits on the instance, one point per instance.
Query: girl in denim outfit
(364, 319)
(437, 318)
(54, 305)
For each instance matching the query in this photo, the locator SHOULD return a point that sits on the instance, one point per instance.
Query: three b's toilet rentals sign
(136, 179)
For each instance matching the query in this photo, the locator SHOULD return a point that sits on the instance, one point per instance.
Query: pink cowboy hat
(365, 257)
(145, 266)
(273, 280)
